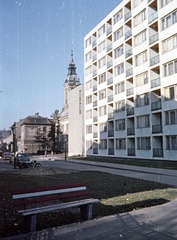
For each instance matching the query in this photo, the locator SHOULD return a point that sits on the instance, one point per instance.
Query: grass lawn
(117, 194)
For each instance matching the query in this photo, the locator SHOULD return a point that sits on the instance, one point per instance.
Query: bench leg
(30, 223)
(86, 212)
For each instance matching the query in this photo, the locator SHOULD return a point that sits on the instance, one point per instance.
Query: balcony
(130, 111)
(94, 73)
(109, 64)
(110, 80)
(128, 34)
(131, 131)
(129, 72)
(157, 128)
(94, 58)
(94, 43)
(111, 151)
(155, 82)
(94, 88)
(110, 133)
(154, 38)
(154, 60)
(109, 30)
(127, 15)
(110, 98)
(129, 91)
(156, 105)
(128, 53)
(157, 152)
(95, 119)
(152, 17)
(131, 151)
(109, 47)
(95, 103)
(95, 135)
(111, 116)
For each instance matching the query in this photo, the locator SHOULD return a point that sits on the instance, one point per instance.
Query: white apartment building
(131, 82)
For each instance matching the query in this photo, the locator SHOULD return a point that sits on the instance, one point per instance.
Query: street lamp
(14, 141)
(65, 141)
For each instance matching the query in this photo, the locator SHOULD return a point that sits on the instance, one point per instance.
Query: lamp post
(14, 141)
(65, 141)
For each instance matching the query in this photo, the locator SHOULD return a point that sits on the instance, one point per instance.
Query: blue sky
(36, 39)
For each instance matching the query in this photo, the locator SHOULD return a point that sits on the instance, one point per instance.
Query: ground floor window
(171, 142)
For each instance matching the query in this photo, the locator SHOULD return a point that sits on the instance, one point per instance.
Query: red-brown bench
(29, 203)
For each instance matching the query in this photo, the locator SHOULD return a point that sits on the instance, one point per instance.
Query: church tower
(71, 81)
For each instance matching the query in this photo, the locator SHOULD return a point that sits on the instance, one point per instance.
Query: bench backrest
(45, 194)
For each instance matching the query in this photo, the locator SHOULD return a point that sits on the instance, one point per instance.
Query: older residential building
(131, 82)
(33, 134)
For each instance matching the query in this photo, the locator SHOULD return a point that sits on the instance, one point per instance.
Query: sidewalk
(158, 222)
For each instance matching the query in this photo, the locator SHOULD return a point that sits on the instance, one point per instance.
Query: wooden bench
(29, 203)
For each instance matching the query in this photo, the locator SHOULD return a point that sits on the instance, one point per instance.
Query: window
(101, 46)
(88, 114)
(141, 58)
(119, 69)
(102, 78)
(165, 2)
(171, 142)
(89, 99)
(88, 42)
(141, 79)
(89, 85)
(88, 56)
(120, 106)
(143, 121)
(102, 62)
(171, 117)
(118, 34)
(102, 94)
(120, 143)
(88, 144)
(169, 44)
(102, 111)
(169, 20)
(103, 144)
(170, 92)
(139, 18)
(120, 124)
(118, 16)
(143, 143)
(170, 68)
(119, 87)
(119, 51)
(89, 129)
(140, 38)
(142, 100)
(103, 127)
(101, 31)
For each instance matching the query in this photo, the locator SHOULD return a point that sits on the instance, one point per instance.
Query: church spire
(72, 69)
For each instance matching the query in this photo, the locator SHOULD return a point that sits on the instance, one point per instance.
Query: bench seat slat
(49, 198)
(56, 207)
(48, 192)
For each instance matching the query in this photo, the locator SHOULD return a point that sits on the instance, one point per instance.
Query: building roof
(36, 120)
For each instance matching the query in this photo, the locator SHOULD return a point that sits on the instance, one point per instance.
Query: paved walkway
(153, 223)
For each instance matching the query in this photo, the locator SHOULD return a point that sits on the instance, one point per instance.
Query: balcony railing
(95, 103)
(130, 111)
(131, 131)
(94, 73)
(109, 47)
(110, 98)
(109, 30)
(156, 105)
(157, 152)
(127, 15)
(155, 82)
(95, 134)
(94, 58)
(157, 128)
(110, 80)
(152, 17)
(129, 91)
(110, 133)
(128, 53)
(154, 60)
(94, 88)
(129, 72)
(154, 38)
(94, 43)
(131, 151)
(111, 115)
(95, 119)
(128, 34)
(111, 151)
(109, 64)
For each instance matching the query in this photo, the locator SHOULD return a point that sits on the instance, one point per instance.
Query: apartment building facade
(131, 82)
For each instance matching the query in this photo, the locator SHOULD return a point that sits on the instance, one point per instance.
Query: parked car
(6, 155)
(23, 161)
